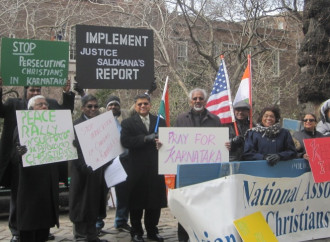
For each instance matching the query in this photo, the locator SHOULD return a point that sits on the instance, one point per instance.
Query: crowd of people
(34, 201)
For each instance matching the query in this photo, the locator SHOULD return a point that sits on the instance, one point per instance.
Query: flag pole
(158, 116)
(250, 89)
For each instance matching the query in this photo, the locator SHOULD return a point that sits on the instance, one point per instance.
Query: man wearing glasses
(8, 171)
(197, 116)
(147, 188)
(86, 185)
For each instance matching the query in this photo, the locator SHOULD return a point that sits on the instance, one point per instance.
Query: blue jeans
(122, 210)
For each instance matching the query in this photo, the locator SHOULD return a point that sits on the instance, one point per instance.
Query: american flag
(219, 102)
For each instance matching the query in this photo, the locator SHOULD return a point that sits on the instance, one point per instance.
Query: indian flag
(164, 108)
(244, 90)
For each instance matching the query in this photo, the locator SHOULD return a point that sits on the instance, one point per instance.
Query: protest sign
(254, 227)
(191, 145)
(34, 62)
(295, 208)
(99, 140)
(47, 134)
(319, 158)
(115, 58)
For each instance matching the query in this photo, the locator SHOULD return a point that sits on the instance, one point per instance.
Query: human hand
(237, 140)
(78, 89)
(228, 145)
(75, 143)
(272, 159)
(150, 138)
(305, 156)
(66, 88)
(21, 149)
(158, 144)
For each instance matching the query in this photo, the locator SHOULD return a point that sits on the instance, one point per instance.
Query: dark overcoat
(37, 195)
(257, 146)
(304, 134)
(147, 187)
(86, 188)
(8, 113)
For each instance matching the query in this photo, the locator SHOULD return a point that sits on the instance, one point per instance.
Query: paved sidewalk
(167, 228)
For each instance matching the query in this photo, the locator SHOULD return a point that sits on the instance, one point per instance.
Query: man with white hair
(197, 116)
(8, 171)
(37, 190)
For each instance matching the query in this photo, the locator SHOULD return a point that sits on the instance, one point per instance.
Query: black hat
(112, 99)
(242, 105)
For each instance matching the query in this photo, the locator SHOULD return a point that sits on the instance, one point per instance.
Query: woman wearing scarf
(268, 141)
(308, 132)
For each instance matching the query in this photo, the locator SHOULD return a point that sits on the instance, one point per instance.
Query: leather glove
(75, 143)
(21, 149)
(78, 89)
(150, 138)
(272, 159)
(237, 140)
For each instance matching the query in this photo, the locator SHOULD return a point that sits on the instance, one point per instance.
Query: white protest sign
(99, 140)
(296, 209)
(115, 173)
(191, 146)
(47, 134)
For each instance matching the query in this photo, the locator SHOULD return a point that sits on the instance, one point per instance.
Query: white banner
(296, 209)
(47, 134)
(99, 140)
(191, 146)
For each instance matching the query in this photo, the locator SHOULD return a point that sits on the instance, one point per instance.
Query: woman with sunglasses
(268, 141)
(309, 131)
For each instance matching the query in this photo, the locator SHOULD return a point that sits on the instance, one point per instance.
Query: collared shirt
(145, 121)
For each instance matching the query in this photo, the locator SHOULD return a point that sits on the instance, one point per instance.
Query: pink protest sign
(319, 158)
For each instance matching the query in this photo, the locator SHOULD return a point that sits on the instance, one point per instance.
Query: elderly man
(197, 116)
(86, 198)
(8, 172)
(241, 112)
(37, 191)
(148, 191)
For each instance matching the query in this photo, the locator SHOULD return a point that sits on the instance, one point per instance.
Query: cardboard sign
(99, 140)
(254, 228)
(47, 134)
(319, 158)
(191, 146)
(114, 58)
(34, 62)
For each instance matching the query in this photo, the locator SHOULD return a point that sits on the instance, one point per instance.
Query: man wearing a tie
(147, 188)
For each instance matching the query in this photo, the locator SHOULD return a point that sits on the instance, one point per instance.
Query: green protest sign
(34, 62)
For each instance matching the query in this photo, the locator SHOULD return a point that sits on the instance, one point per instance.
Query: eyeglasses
(41, 104)
(35, 90)
(200, 98)
(140, 104)
(308, 119)
(92, 106)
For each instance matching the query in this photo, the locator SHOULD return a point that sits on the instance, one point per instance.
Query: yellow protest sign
(254, 228)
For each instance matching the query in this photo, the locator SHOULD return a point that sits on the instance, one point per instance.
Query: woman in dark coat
(37, 191)
(308, 132)
(268, 141)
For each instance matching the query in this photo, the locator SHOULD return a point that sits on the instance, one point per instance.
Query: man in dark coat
(241, 112)
(86, 186)
(148, 190)
(8, 171)
(37, 191)
(197, 116)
